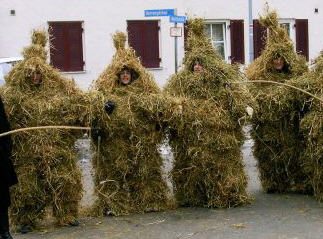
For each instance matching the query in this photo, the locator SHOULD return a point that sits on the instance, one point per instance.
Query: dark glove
(96, 132)
(109, 107)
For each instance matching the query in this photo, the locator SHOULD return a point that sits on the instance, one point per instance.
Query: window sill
(155, 69)
(73, 72)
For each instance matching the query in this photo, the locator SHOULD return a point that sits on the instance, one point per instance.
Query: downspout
(251, 52)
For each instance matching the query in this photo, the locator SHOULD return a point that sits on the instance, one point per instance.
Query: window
(286, 26)
(6, 64)
(216, 31)
(289, 26)
(66, 46)
(228, 39)
(143, 36)
(297, 30)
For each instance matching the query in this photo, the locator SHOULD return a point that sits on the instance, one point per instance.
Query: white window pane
(217, 32)
(1, 76)
(6, 67)
(220, 49)
(208, 30)
(286, 26)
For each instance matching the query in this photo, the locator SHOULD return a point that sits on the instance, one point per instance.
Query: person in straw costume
(278, 142)
(128, 175)
(37, 95)
(311, 122)
(205, 133)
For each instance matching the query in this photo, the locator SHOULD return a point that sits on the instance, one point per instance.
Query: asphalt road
(270, 216)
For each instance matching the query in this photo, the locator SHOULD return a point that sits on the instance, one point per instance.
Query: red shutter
(302, 37)
(259, 38)
(66, 52)
(144, 38)
(57, 52)
(75, 46)
(237, 41)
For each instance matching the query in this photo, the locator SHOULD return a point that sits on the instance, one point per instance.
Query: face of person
(197, 67)
(36, 78)
(279, 63)
(125, 77)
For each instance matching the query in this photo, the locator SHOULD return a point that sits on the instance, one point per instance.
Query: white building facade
(82, 30)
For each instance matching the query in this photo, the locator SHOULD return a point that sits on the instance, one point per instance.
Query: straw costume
(45, 160)
(278, 141)
(205, 131)
(127, 164)
(311, 125)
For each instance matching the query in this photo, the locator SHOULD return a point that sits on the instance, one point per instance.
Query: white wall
(103, 17)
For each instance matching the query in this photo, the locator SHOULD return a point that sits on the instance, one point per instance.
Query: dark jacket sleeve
(8, 175)
(5, 142)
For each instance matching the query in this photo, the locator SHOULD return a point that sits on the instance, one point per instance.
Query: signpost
(174, 31)
(175, 20)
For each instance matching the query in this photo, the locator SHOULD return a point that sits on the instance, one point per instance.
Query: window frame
(292, 28)
(226, 36)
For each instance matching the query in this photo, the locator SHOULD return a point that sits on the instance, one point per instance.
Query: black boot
(25, 229)
(6, 235)
(74, 223)
(4, 225)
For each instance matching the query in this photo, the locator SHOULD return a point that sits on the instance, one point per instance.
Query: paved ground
(270, 216)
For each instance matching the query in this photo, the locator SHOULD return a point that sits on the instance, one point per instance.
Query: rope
(279, 83)
(44, 127)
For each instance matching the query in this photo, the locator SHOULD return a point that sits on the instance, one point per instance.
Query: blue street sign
(159, 12)
(177, 19)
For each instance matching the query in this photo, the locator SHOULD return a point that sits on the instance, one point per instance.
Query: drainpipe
(251, 53)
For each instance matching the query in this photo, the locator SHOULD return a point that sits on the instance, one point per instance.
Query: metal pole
(251, 52)
(175, 25)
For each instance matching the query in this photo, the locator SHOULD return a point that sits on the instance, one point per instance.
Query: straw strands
(127, 164)
(278, 141)
(45, 160)
(204, 129)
